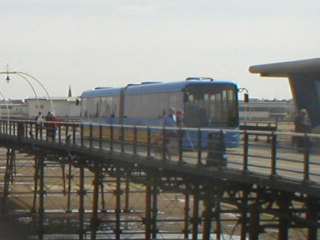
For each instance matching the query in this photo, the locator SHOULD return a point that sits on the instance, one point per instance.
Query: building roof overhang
(286, 69)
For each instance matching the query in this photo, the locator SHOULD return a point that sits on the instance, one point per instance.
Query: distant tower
(69, 92)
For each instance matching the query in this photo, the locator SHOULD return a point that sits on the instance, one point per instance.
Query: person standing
(48, 117)
(169, 120)
(52, 124)
(39, 124)
(179, 118)
(302, 124)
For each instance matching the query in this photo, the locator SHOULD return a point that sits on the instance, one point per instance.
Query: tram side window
(153, 110)
(91, 107)
(100, 110)
(115, 105)
(215, 107)
(131, 106)
(176, 100)
(157, 103)
(100, 107)
(84, 107)
(103, 103)
(232, 116)
(167, 100)
(150, 105)
(96, 107)
(223, 108)
(109, 107)
(153, 105)
(142, 105)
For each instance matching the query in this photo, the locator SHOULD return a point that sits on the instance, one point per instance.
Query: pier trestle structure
(102, 195)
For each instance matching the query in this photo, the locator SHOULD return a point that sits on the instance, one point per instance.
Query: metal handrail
(274, 159)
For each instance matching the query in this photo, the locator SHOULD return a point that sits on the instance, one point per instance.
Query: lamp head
(8, 78)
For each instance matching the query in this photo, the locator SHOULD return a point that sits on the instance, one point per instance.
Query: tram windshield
(211, 106)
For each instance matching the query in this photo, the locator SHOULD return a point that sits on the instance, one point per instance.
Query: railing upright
(135, 140)
(163, 145)
(306, 158)
(81, 134)
(91, 136)
(268, 137)
(273, 154)
(74, 128)
(245, 151)
(25, 130)
(122, 138)
(10, 126)
(180, 144)
(148, 142)
(45, 131)
(28, 130)
(256, 139)
(100, 137)
(65, 134)
(111, 137)
(199, 154)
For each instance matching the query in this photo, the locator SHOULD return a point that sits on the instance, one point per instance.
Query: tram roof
(285, 69)
(150, 88)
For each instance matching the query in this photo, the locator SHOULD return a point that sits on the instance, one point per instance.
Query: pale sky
(93, 43)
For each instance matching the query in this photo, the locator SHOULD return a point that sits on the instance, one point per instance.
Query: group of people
(173, 118)
(49, 122)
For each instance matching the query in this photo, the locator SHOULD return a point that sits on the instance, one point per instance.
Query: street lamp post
(25, 76)
(7, 107)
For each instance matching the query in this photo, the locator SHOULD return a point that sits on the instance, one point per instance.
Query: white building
(63, 107)
(267, 109)
(13, 108)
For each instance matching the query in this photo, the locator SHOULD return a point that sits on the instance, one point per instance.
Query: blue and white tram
(206, 104)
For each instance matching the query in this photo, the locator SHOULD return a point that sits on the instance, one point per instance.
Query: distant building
(267, 110)
(13, 108)
(64, 107)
